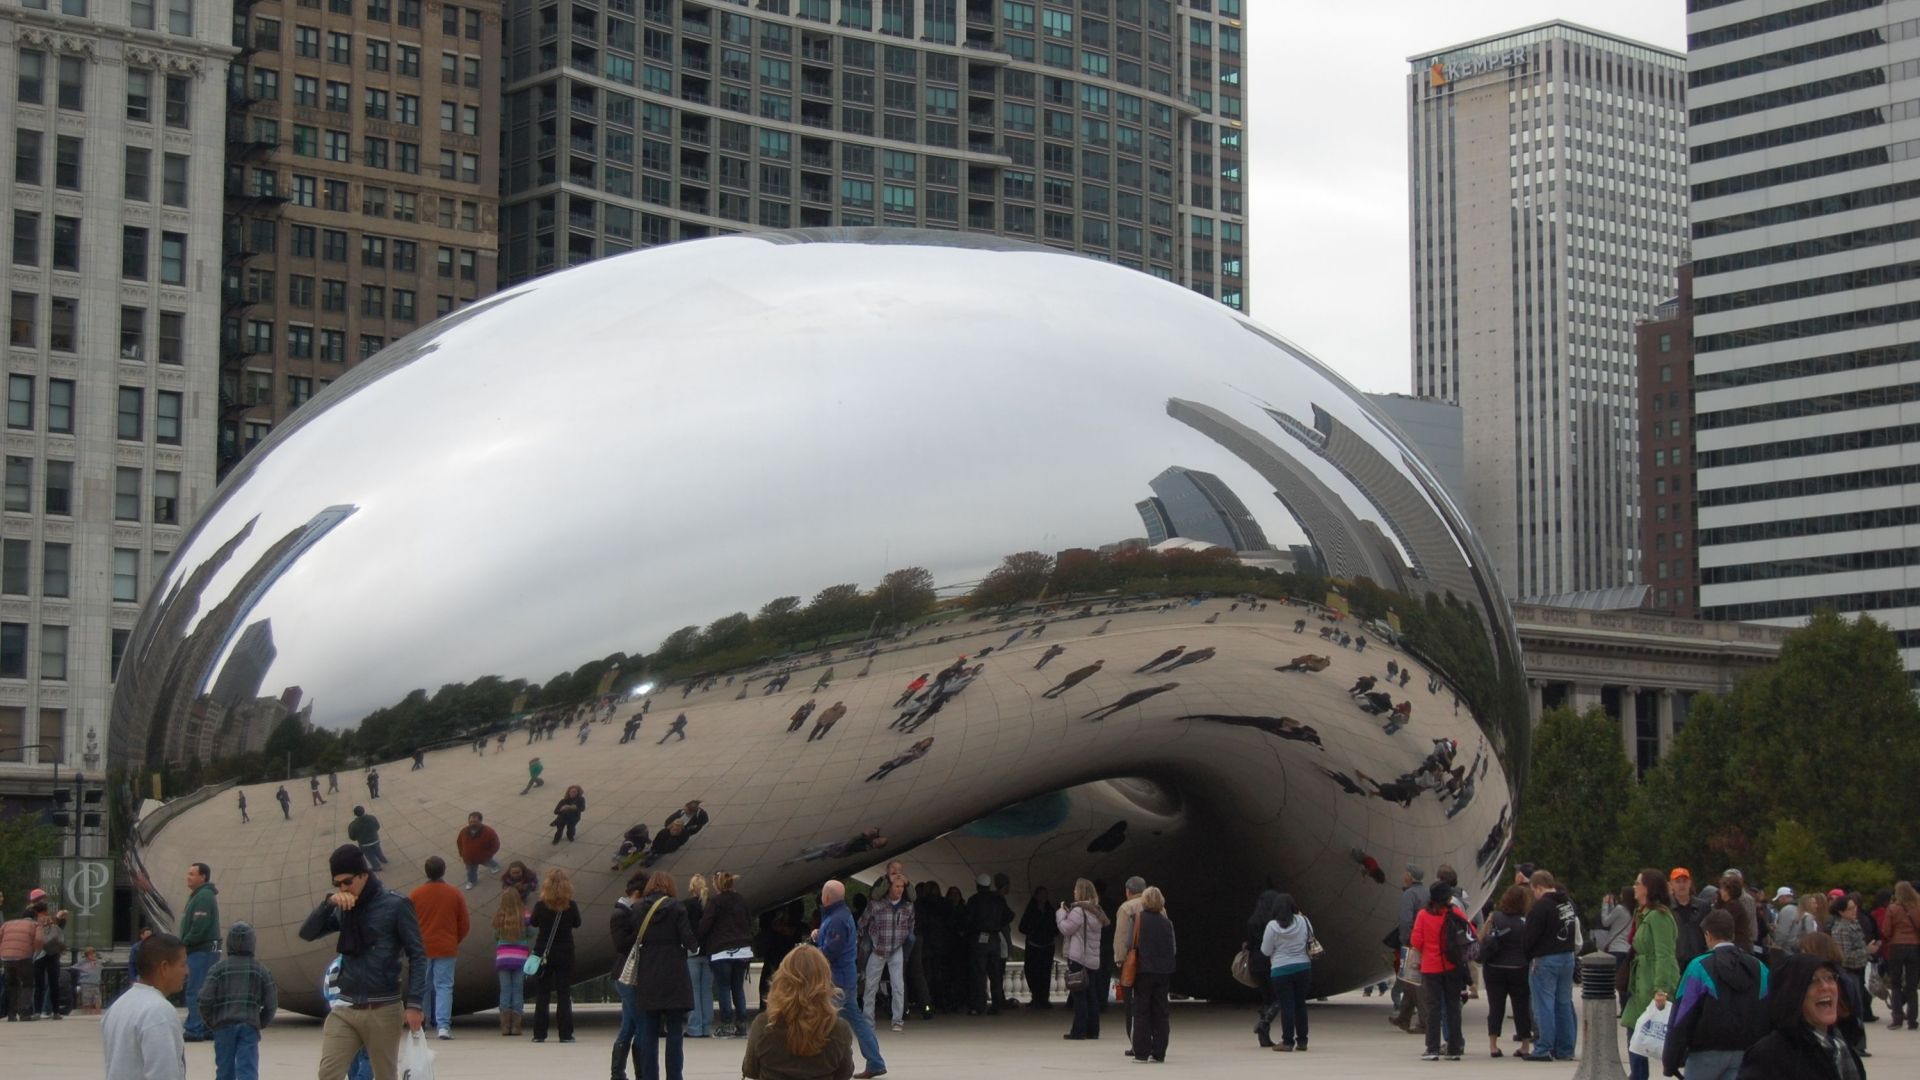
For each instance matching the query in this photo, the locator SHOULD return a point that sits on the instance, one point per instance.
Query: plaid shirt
(888, 925)
(239, 990)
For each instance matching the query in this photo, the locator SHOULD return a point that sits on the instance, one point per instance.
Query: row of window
(1865, 278)
(141, 14)
(53, 656)
(1806, 170)
(1802, 54)
(70, 88)
(1852, 360)
(1808, 249)
(1777, 20)
(1809, 446)
(29, 167)
(130, 414)
(1770, 138)
(1801, 607)
(1788, 95)
(1830, 484)
(1795, 408)
(255, 387)
(63, 328)
(1888, 517)
(454, 20)
(305, 342)
(56, 570)
(1793, 329)
(57, 494)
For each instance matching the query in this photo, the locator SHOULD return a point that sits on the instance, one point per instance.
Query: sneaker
(469, 886)
(1452, 1057)
(446, 1033)
(899, 1026)
(1429, 1057)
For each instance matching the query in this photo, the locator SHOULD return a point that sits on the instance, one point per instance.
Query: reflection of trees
(1450, 638)
(1030, 575)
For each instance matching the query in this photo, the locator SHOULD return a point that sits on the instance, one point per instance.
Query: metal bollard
(1599, 1017)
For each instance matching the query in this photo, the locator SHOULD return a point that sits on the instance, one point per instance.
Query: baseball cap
(1783, 892)
(984, 881)
(37, 894)
(1836, 894)
(1679, 872)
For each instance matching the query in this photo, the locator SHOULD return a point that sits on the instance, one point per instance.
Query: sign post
(84, 889)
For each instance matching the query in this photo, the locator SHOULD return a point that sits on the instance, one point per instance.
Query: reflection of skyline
(1339, 539)
(1198, 505)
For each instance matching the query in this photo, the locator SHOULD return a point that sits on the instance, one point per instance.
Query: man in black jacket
(377, 928)
(1688, 912)
(1722, 1008)
(986, 913)
(1553, 936)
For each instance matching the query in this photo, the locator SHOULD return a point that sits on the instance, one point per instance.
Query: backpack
(1456, 939)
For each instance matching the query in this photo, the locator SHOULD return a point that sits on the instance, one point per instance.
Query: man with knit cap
(1412, 1009)
(377, 928)
(444, 923)
(237, 1000)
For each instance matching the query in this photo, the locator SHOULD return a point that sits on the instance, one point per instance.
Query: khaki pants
(347, 1030)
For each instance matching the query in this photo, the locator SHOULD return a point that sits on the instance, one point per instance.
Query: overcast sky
(1328, 141)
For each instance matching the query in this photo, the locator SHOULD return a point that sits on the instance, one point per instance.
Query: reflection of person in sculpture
(800, 716)
(825, 678)
(916, 715)
(869, 839)
(905, 757)
(1075, 678)
(912, 689)
(1280, 727)
(827, 719)
(1130, 700)
(1308, 662)
(1047, 657)
(1161, 659)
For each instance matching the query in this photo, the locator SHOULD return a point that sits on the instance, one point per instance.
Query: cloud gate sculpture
(946, 548)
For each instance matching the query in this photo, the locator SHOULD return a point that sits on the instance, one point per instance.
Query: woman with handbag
(1288, 944)
(555, 918)
(1503, 963)
(656, 969)
(1148, 970)
(1265, 910)
(1655, 973)
(726, 933)
(1080, 923)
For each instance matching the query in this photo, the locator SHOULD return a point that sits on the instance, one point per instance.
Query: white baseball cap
(1784, 892)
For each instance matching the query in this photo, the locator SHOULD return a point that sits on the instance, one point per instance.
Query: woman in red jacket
(1442, 982)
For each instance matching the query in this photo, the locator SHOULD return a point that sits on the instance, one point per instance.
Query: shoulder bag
(1242, 968)
(534, 961)
(1130, 967)
(630, 971)
(1314, 948)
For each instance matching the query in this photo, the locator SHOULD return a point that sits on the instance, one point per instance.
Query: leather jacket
(373, 975)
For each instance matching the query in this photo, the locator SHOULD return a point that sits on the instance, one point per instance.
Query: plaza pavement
(1350, 1039)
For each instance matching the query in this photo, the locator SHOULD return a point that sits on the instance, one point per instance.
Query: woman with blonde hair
(1153, 948)
(555, 918)
(726, 934)
(512, 941)
(700, 1020)
(1080, 923)
(800, 1035)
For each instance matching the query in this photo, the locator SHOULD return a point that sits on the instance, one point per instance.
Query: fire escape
(248, 197)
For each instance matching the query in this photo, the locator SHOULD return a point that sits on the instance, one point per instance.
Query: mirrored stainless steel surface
(733, 478)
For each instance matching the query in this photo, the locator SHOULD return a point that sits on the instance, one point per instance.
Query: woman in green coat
(1655, 974)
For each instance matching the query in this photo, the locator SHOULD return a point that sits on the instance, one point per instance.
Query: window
(19, 484)
(180, 17)
(167, 416)
(133, 333)
(126, 575)
(20, 402)
(339, 94)
(15, 573)
(31, 87)
(56, 568)
(133, 253)
(59, 487)
(66, 163)
(126, 494)
(131, 412)
(375, 153)
(173, 182)
(306, 91)
(173, 258)
(72, 83)
(299, 389)
(23, 320)
(178, 89)
(306, 42)
(66, 243)
(53, 653)
(26, 238)
(410, 62)
(339, 47)
(63, 318)
(27, 167)
(333, 295)
(138, 182)
(173, 333)
(379, 55)
(13, 650)
(373, 251)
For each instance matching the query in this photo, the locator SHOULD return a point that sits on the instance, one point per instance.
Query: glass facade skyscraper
(1110, 127)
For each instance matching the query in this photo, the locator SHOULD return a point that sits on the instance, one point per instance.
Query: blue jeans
(1637, 1066)
(1290, 993)
(629, 1029)
(199, 962)
(362, 1067)
(1552, 985)
(440, 991)
(513, 990)
(862, 1033)
(1714, 1064)
(700, 1020)
(236, 1052)
(655, 1026)
(730, 981)
(473, 870)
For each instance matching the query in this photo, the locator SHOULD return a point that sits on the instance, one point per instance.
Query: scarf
(356, 936)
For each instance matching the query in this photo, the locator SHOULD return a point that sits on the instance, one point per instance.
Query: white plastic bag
(416, 1057)
(1650, 1032)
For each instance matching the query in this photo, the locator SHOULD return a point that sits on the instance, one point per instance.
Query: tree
(904, 595)
(726, 632)
(1020, 576)
(23, 843)
(1577, 789)
(1795, 857)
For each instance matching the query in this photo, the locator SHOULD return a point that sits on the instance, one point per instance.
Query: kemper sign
(1477, 65)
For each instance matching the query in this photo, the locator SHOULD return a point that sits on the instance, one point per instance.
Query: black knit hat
(348, 859)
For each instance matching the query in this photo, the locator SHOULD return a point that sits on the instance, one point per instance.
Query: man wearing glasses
(377, 928)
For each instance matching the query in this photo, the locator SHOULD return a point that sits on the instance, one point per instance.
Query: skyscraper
(1669, 562)
(1111, 127)
(1548, 209)
(1198, 506)
(1806, 198)
(114, 129)
(362, 188)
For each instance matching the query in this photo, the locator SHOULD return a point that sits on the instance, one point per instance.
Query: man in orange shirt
(444, 923)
